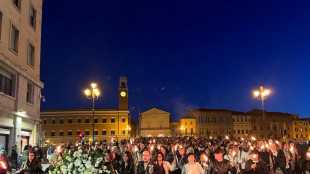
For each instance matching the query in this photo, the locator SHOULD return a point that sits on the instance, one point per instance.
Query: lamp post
(93, 94)
(262, 95)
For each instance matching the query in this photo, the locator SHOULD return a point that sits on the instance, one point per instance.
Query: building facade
(63, 126)
(241, 125)
(188, 126)
(212, 122)
(20, 45)
(155, 123)
(274, 122)
(301, 129)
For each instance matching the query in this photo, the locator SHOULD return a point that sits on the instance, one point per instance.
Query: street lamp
(128, 128)
(262, 95)
(93, 94)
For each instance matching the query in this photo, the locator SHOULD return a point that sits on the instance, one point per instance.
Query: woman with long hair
(108, 160)
(31, 166)
(4, 163)
(161, 166)
(127, 165)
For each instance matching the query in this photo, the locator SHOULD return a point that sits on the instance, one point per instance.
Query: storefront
(4, 138)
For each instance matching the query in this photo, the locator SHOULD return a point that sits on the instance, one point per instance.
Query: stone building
(212, 122)
(241, 125)
(274, 122)
(64, 125)
(301, 129)
(20, 91)
(155, 123)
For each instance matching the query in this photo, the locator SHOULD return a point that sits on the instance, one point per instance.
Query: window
(52, 133)
(30, 93)
(234, 131)
(214, 119)
(32, 17)
(69, 132)
(247, 131)
(112, 120)
(123, 132)
(31, 51)
(254, 127)
(241, 120)
(87, 120)
(104, 120)
(86, 132)
(78, 132)
(267, 128)
(296, 136)
(0, 24)
(112, 132)
(53, 121)
(14, 39)
(199, 120)
(296, 129)
(237, 119)
(200, 131)
(192, 131)
(44, 121)
(6, 82)
(70, 120)
(61, 121)
(96, 120)
(17, 4)
(207, 119)
(185, 130)
(191, 123)
(79, 120)
(104, 132)
(227, 120)
(95, 132)
(288, 128)
(238, 131)
(253, 119)
(274, 127)
(242, 131)
(300, 129)
(295, 123)
(221, 119)
(61, 133)
(261, 128)
(185, 123)
(233, 120)
(123, 119)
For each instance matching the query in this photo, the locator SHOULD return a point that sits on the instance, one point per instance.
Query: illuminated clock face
(123, 93)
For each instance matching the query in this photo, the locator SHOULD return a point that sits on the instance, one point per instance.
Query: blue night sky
(177, 54)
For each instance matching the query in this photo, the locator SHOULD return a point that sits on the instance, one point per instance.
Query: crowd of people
(178, 155)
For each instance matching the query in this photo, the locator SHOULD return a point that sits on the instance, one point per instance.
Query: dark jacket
(140, 168)
(261, 167)
(33, 167)
(281, 159)
(129, 169)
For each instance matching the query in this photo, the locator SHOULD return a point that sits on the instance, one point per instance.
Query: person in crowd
(255, 165)
(50, 150)
(161, 166)
(300, 163)
(108, 160)
(220, 165)
(174, 155)
(243, 156)
(13, 157)
(4, 163)
(25, 154)
(31, 165)
(39, 154)
(192, 167)
(127, 164)
(145, 166)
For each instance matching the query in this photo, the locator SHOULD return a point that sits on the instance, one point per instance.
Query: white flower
(89, 158)
(104, 167)
(84, 161)
(99, 159)
(100, 171)
(80, 150)
(77, 162)
(88, 164)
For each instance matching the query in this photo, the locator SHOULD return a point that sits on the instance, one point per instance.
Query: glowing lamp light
(234, 153)
(93, 85)
(251, 148)
(158, 147)
(277, 142)
(206, 158)
(226, 137)
(58, 149)
(253, 138)
(87, 92)
(152, 148)
(292, 149)
(136, 149)
(254, 155)
(176, 147)
(256, 93)
(308, 154)
(96, 91)
(242, 139)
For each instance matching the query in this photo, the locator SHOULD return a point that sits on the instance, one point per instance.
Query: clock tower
(123, 93)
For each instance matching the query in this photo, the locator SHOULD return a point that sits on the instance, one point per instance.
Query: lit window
(112, 132)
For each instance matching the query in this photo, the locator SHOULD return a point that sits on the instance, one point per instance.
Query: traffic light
(281, 131)
(82, 137)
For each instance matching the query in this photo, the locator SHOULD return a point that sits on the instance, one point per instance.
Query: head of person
(114, 149)
(32, 157)
(3, 153)
(181, 150)
(26, 147)
(191, 158)
(37, 148)
(108, 156)
(127, 158)
(218, 154)
(146, 156)
(163, 149)
(160, 157)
